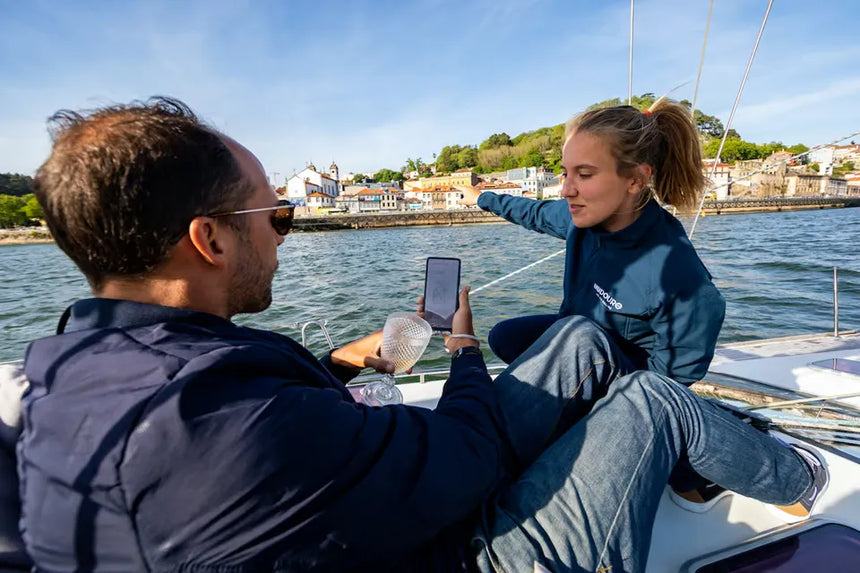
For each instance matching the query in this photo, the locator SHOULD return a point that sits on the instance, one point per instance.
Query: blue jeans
(584, 496)
(510, 338)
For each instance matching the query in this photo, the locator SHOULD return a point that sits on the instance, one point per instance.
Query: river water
(774, 269)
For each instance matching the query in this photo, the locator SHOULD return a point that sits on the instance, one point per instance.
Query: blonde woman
(629, 265)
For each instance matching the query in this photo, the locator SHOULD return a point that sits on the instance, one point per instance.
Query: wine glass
(404, 338)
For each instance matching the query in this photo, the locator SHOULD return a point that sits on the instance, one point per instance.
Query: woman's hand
(468, 195)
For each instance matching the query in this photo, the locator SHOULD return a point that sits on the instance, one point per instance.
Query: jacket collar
(111, 313)
(633, 233)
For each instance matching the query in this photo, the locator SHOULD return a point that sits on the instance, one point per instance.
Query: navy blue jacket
(645, 284)
(166, 439)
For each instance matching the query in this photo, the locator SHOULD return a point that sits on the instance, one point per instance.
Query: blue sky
(370, 83)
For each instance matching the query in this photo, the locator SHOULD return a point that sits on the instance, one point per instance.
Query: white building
(298, 190)
(320, 201)
(825, 157)
(806, 185)
(553, 191)
(309, 180)
(452, 196)
(532, 179)
(852, 186)
(836, 187)
(719, 178)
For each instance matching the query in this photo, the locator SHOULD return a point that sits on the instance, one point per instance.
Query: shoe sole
(694, 506)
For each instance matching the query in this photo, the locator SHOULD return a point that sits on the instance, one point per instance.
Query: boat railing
(429, 375)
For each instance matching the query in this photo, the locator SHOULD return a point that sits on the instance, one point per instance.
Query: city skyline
(369, 84)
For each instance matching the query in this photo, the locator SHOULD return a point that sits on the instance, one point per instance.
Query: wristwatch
(464, 350)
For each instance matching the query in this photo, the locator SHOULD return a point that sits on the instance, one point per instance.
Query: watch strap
(465, 350)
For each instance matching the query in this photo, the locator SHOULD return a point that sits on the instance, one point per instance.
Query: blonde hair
(663, 137)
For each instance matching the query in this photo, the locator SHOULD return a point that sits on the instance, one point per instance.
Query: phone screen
(441, 286)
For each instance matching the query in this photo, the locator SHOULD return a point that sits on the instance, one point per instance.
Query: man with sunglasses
(158, 435)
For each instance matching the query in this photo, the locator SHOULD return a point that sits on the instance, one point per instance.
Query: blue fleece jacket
(645, 284)
(171, 440)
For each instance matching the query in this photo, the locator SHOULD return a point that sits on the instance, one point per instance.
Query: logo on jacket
(607, 299)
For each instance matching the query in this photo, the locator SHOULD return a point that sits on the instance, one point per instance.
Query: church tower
(333, 171)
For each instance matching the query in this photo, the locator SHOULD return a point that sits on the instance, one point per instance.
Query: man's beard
(251, 284)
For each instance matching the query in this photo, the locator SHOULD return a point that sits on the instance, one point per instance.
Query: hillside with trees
(542, 147)
(15, 184)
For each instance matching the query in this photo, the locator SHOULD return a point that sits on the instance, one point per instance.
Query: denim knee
(580, 330)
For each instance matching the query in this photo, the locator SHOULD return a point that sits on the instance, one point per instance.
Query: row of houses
(772, 176)
(318, 191)
(776, 176)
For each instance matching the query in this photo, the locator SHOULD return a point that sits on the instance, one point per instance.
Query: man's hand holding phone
(461, 323)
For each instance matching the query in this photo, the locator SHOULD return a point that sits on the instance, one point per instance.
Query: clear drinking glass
(404, 338)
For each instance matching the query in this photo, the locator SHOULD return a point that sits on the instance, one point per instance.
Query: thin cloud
(784, 106)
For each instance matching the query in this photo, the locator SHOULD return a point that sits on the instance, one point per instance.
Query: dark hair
(123, 183)
(664, 137)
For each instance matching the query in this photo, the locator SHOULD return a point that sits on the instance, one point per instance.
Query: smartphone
(441, 290)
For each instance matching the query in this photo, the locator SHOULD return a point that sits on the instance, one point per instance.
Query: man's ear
(209, 240)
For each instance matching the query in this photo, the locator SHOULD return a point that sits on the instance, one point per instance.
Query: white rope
(732, 114)
(803, 401)
(630, 66)
(516, 272)
(701, 62)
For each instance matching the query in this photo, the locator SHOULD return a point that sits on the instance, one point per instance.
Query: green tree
(386, 175)
(733, 134)
(31, 207)
(413, 164)
(708, 124)
(797, 149)
(447, 160)
(359, 178)
(496, 140)
(15, 184)
(815, 167)
(467, 158)
(509, 162)
(12, 211)
(533, 158)
(733, 150)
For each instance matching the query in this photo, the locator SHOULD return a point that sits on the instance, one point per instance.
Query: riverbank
(422, 218)
(25, 236)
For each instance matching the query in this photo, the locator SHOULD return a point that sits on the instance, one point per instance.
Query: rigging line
(701, 62)
(778, 163)
(630, 67)
(732, 114)
(829, 397)
(516, 272)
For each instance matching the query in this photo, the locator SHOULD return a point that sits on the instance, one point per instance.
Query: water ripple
(774, 269)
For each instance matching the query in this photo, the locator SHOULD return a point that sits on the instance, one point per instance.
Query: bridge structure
(747, 205)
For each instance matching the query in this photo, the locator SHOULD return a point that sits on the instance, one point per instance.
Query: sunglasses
(281, 218)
